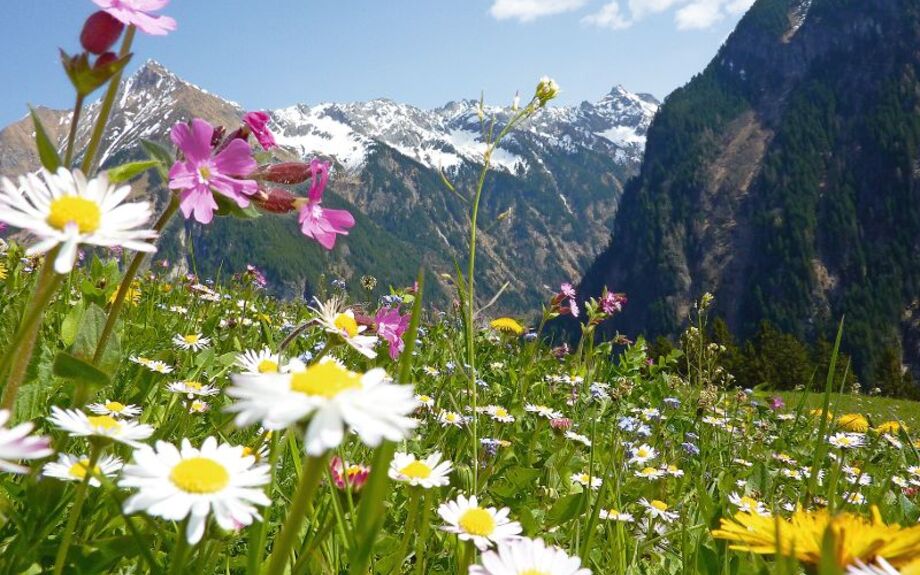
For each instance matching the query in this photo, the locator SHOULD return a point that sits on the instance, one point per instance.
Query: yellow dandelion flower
(892, 427)
(2, 271)
(853, 422)
(817, 413)
(801, 536)
(132, 296)
(507, 325)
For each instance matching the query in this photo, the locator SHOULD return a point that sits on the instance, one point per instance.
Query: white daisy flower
(344, 324)
(584, 439)
(640, 455)
(748, 504)
(78, 424)
(198, 406)
(175, 483)
(854, 498)
(658, 510)
(193, 389)
(615, 515)
(499, 414)
(844, 440)
(115, 409)
(64, 209)
(425, 401)
(263, 361)
(543, 411)
(158, 366)
(16, 444)
(481, 525)
(673, 470)
(429, 472)
(193, 341)
(880, 567)
(528, 557)
(72, 468)
(332, 397)
(453, 418)
(586, 480)
(900, 481)
(650, 473)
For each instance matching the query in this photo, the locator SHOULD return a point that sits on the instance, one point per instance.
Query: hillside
(557, 181)
(785, 179)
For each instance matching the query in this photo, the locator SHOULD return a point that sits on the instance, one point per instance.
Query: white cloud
(609, 16)
(529, 10)
(738, 7)
(699, 14)
(642, 8)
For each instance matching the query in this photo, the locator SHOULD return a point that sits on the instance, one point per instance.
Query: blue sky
(274, 53)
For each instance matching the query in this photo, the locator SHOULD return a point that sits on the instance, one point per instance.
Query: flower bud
(100, 32)
(547, 89)
(286, 173)
(276, 201)
(104, 60)
(561, 424)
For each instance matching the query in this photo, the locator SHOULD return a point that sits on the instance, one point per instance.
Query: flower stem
(411, 519)
(177, 562)
(297, 512)
(74, 123)
(105, 111)
(126, 282)
(259, 533)
(64, 547)
(420, 538)
(17, 356)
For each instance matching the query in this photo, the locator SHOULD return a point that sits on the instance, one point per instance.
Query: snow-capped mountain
(556, 181)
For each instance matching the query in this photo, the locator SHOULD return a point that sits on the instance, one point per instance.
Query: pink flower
(139, 13)
(16, 444)
(391, 326)
(258, 123)
(318, 222)
(777, 403)
(612, 303)
(200, 174)
(345, 475)
(566, 292)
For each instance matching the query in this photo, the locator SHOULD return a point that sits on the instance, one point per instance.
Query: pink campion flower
(200, 174)
(16, 444)
(258, 123)
(612, 303)
(139, 13)
(777, 403)
(317, 222)
(566, 292)
(391, 326)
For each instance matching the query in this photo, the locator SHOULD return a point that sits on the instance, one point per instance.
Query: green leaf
(87, 78)
(127, 171)
(84, 346)
(67, 366)
(161, 155)
(566, 509)
(227, 207)
(47, 152)
(70, 324)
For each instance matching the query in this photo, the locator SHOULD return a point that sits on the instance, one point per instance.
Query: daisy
(72, 468)
(78, 424)
(846, 440)
(650, 473)
(528, 557)
(194, 341)
(115, 409)
(65, 210)
(584, 439)
(658, 510)
(16, 444)
(748, 504)
(425, 401)
(615, 515)
(332, 397)
(264, 361)
(499, 414)
(427, 473)
(854, 498)
(191, 389)
(158, 366)
(482, 526)
(451, 418)
(344, 325)
(642, 454)
(198, 406)
(673, 470)
(543, 411)
(176, 483)
(586, 480)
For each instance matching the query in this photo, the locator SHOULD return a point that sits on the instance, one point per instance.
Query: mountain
(785, 179)
(556, 183)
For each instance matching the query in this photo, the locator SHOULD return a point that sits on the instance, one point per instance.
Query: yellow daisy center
(193, 385)
(115, 406)
(73, 209)
(103, 422)
(325, 380)
(416, 470)
(191, 339)
(649, 471)
(477, 521)
(659, 505)
(346, 323)
(78, 469)
(267, 366)
(247, 451)
(199, 475)
(501, 412)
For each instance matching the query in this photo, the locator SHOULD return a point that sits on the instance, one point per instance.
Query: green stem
(17, 356)
(411, 518)
(297, 512)
(260, 532)
(105, 111)
(126, 282)
(177, 562)
(422, 535)
(72, 135)
(64, 547)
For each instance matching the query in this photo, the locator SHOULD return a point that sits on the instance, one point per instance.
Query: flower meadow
(160, 422)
